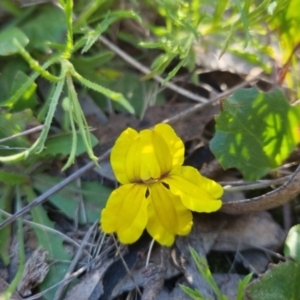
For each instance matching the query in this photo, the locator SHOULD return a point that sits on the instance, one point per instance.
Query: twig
(52, 230)
(25, 132)
(245, 186)
(200, 106)
(149, 252)
(146, 70)
(75, 260)
(126, 267)
(44, 197)
(277, 197)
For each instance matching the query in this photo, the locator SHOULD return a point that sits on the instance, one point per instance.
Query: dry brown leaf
(277, 197)
(187, 129)
(36, 269)
(257, 230)
(155, 277)
(90, 287)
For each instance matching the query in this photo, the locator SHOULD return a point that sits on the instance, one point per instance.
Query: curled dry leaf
(142, 276)
(90, 286)
(155, 277)
(275, 198)
(36, 269)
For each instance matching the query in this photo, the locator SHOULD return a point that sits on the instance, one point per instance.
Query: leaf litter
(100, 270)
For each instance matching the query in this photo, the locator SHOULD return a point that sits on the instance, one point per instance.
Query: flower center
(151, 180)
(154, 180)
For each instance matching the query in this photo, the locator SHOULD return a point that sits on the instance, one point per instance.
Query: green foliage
(220, 25)
(50, 242)
(292, 244)
(255, 131)
(286, 23)
(39, 36)
(137, 92)
(12, 178)
(7, 37)
(281, 281)
(49, 26)
(5, 233)
(11, 124)
(204, 270)
(242, 286)
(60, 144)
(21, 253)
(93, 194)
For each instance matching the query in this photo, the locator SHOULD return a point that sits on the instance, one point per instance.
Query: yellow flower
(157, 192)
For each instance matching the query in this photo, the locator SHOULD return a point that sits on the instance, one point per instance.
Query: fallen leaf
(36, 269)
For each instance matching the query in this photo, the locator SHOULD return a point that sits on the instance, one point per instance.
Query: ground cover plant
(149, 149)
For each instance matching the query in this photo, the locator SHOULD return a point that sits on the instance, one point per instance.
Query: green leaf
(61, 144)
(204, 270)
(94, 197)
(194, 294)
(255, 131)
(7, 36)
(5, 233)
(47, 26)
(12, 124)
(242, 285)
(292, 243)
(136, 92)
(92, 61)
(280, 282)
(286, 21)
(119, 98)
(52, 243)
(12, 178)
(13, 77)
(110, 18)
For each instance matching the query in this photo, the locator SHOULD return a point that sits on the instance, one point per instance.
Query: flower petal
(167, 216)
(119, 155)
(174, 142)
(126, 212)
(155, 155)
(197, 193)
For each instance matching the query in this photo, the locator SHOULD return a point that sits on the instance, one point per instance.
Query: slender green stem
(43, 112)
(29, 82)
(69, 12)
(8, 293)
(39, 144)
(109, 93)
(74, 139)
(94, 5)
(34, 64)
(80, 119)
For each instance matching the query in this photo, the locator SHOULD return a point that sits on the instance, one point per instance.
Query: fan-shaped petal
(167, 216)
(174, 142)
(155, 155)
(197, 193)
(126, 212)
(122, 154)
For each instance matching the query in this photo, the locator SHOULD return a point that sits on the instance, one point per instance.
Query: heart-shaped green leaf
(255, 131)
